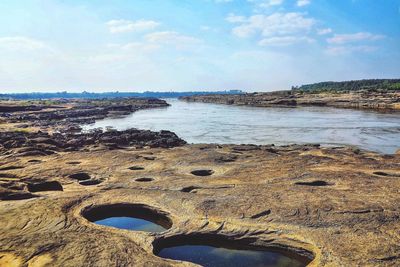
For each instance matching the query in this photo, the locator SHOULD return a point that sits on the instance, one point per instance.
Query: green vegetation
(348, 86)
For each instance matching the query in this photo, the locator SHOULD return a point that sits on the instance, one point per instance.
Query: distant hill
(367, 85)
(89, 95)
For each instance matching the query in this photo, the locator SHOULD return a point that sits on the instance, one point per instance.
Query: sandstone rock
(360, 99)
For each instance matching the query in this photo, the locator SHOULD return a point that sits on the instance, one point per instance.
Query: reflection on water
(131, 223)
(219, 257)
(211, 123)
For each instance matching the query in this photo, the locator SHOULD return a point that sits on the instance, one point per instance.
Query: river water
(224, 124)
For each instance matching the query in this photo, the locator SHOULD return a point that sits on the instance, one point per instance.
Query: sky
(185, 45)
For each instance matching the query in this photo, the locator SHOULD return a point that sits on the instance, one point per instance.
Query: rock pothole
(138, 217)
(314, 183)
(380, 173)
(34, 161)
(80, 176)
(144, 179)
(90, 182)
(385, 174)
(16, 195)
(136, 168)
(44, 186)
(202, 172)
(74, 162)
(190, 189)
(226, 158)
(215, 247)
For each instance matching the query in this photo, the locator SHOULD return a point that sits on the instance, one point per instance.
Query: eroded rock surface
(331, 204)
(335, 206)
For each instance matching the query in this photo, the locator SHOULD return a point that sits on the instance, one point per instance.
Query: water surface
(131, 223)
(224, 124)
(210, 256)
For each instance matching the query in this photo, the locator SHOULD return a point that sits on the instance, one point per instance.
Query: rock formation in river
(358, 99)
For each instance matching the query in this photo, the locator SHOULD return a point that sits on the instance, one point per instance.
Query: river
(225, 124)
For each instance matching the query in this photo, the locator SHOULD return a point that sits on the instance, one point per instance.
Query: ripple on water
(211, 123)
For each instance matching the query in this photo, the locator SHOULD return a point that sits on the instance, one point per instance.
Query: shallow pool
(221, 257)
(130, 223)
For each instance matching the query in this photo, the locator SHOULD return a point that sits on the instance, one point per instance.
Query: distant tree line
(358, 85)
(88, 95)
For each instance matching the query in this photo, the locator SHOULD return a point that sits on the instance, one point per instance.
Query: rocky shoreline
(335, 206)
(67, 115)
(387, 100)
(40, 143)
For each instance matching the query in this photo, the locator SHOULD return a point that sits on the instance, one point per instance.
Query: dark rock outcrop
(45, 144)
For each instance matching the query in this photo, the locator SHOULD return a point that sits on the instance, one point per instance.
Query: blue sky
(164, 45)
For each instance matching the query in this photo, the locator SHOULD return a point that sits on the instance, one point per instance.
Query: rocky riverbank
(388, 100)
(333, 206)
(68, 115)
(39, 143)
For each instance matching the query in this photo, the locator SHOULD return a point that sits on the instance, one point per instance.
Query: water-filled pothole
(217, 251)
(137, 217)
(202, 172)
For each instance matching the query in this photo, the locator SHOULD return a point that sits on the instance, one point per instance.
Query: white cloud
(115, 53)
(324, 31)
(266, 3)
(134, 46)
(275, 24)
(153, 42)
(272, 3)
(21, 43)
(340, 50)
(206, 28)
(171, 38)
(232, 18)
(301, 3)
(284, 40)
(355, 37)
(120, 26)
